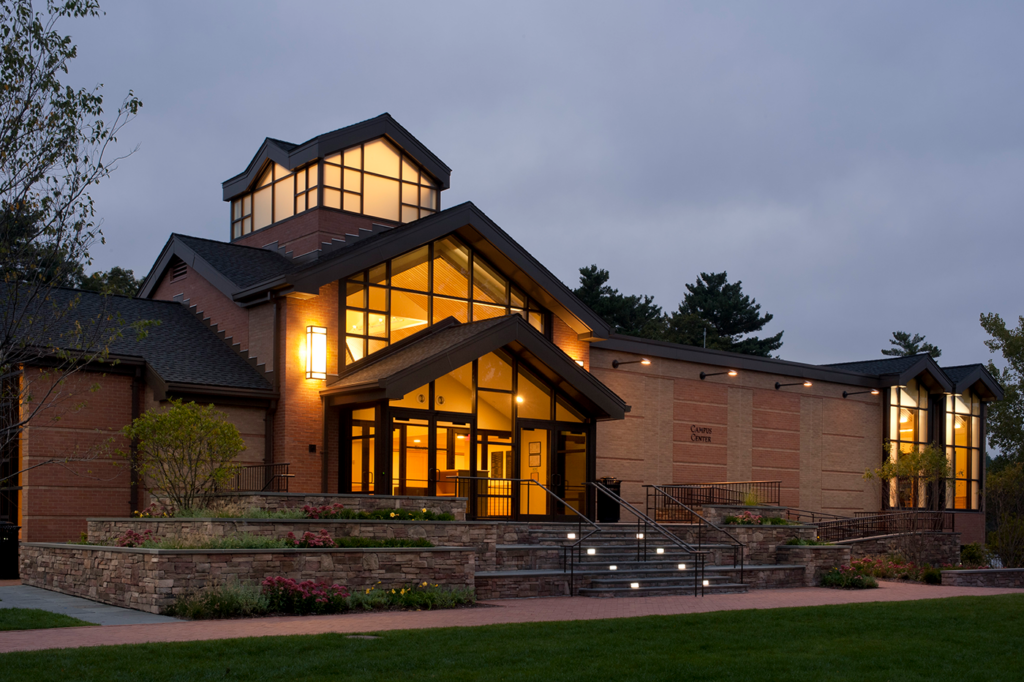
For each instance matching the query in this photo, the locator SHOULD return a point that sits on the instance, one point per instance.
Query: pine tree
(905, 344)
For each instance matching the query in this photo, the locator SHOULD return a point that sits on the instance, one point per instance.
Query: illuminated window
(278, 194)
(424, 286)
(963, 448)
(377, 179)
(908, 432)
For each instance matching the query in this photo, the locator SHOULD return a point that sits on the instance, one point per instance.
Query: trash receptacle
(8, 551)
(607, 506)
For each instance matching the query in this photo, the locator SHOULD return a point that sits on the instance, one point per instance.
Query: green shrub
(975, 554)
(806, 542)
(230, 600)
(931, 576)
(846, 578)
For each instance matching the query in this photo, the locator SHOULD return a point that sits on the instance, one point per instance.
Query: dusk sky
(858, 165)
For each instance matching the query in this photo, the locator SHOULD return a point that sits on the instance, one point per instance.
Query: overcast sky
(858, 165)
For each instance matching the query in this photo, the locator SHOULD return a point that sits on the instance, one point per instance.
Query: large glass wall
(963, 448)
(908, 432)
(405, 295)
(279, 194)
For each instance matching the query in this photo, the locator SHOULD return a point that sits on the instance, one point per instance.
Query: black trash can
(608, 507)
(8, 551)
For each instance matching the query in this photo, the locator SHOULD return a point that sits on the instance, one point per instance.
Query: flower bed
(322, 539)
(285, 596)
(326, 511)
(847, 578)
(750, 519)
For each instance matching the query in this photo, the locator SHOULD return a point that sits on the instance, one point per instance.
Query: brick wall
(222, 311)
(684, 430)
(306, 231)
(566, 339)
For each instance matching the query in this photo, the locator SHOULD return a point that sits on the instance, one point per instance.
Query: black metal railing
(890, 523)
(805, 516)
(644, 525)
(260, 478)
(663, 507)
(729, 492)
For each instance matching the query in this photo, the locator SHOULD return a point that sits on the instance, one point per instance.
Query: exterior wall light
(591, 551)
(873, 391)
(579, 362)
(660, 550)
(639, 536)
(707, 583)
(613, 567)
(316, 352)
(572, 536)
(635, 586)
(705, 375)
(682, 567)
(642, 361)
(805, 384)
(519, 399)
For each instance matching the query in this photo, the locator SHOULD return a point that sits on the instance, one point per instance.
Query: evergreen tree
(904, 344)
(115, 281)
(631, 315)
(727, 314)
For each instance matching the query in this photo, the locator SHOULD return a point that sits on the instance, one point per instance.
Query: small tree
(184, 452)
(928, 466)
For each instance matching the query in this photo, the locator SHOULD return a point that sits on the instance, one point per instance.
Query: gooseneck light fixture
(705, 375)
(316, 352)
(642, 361)
(805, 384)
(847, 394)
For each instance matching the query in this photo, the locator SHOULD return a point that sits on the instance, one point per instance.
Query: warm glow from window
(316, 352)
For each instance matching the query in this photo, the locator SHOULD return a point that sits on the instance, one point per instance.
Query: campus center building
(367, 340)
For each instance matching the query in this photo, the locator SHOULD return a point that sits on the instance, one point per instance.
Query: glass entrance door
(534, 465)
(412, 458)
(570, 475)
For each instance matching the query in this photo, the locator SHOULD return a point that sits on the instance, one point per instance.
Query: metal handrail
(567, 550)
(648, 521)
(730, 492)
(739, 547)
(794, 514)
(259, 478)
(898, 523)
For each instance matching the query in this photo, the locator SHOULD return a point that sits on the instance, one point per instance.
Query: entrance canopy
(432, 353)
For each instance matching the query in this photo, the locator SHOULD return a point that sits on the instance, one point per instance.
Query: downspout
(134, 447)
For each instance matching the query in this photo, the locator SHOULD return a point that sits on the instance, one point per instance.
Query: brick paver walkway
(503, 611)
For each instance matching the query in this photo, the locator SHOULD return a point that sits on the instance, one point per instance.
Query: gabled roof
(974, 377)
(292, 156)
(181, 352)
(423, 357)
(898, 371)
(232, 268)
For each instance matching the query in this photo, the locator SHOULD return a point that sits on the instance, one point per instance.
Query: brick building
(378, 344)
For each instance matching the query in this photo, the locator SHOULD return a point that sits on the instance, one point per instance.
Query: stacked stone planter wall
(760, 541)
(816, 559)
(275, 501)
(937, 549)
(716, 513)
(988, 577)
(151, 579)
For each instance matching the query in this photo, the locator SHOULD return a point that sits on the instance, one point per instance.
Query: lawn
(962, 639)
(36, 619)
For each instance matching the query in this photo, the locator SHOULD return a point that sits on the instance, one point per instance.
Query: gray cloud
(857, 165)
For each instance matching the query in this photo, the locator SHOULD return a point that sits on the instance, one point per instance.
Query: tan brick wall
(740, 428)
(198, 292)
(566, 339)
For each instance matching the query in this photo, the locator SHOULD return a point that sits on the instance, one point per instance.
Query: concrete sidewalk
(503, 611)
(24, 597)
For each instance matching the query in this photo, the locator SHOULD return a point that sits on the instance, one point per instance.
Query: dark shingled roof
(957, 373)
(411, 351)
(180, 349)
(885, 366)
(243, 265)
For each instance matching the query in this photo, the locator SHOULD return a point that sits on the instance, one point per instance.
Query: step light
(639, 536)
(613, 568)
(706, 583)
(682, 567)
(572, 536)
(660, 550)
(591, 551)
(635, 586)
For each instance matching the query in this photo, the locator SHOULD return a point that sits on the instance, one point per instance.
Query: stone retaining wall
(766, 577)
(275, 501)
(937, 549)
(716, 513)
(151, 579)
(987, 577)
(523, 587)
(816, 559)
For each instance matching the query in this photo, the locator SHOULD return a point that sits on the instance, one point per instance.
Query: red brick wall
(198, 292)
(77, 424)
(299, 419)
(306, 231)
(566, 339)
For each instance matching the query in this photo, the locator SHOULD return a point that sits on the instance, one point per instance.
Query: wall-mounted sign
(700, 434)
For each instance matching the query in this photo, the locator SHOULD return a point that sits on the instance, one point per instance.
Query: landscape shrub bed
(847, 578)
(322, 539)
(751, 519)
(327, 511)
(284, 596)
(806, 542)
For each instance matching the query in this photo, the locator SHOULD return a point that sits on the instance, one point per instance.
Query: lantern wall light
(316, 352)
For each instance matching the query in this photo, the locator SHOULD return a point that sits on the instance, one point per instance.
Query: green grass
(963, 639)
(36, 619)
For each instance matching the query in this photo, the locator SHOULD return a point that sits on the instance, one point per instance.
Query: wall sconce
(316, 352)
(643, 361)
(873, 391)
(705, 375)
(579, 362)
(805, 384)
